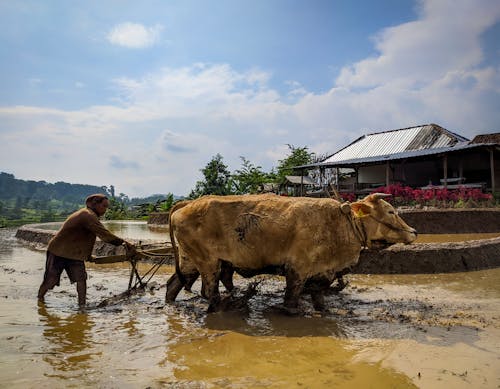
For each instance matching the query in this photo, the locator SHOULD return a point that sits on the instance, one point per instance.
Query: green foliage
(249, 178)
(217, 179)
(298, 156)
(165, 205)
(117, 209)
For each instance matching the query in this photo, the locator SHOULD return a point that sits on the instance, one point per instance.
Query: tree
(116, 210)
(165, 205)
(298, 156)
(249, 179)
(217, 179)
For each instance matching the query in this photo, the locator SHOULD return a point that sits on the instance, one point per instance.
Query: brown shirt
(77, 236)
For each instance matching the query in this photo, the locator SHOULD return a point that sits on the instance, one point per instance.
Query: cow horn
(378, 196)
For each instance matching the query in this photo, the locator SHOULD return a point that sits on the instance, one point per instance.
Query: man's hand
(130, 249)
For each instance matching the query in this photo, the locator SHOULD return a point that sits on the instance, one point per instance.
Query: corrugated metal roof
(487, 138)
(387, 143)
(402, 155)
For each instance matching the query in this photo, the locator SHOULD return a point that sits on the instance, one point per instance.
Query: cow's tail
(176, 207)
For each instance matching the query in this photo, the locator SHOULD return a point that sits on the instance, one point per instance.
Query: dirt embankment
(453, 221)
(158, 218)
(439, 257)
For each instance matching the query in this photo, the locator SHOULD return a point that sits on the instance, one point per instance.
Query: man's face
(101, 207)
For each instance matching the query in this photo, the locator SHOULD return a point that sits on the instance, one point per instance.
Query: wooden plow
(156, 256)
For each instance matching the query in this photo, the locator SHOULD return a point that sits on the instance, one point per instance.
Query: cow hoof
(291, 311)
(214, 305)
(213, 308)
(341, 285)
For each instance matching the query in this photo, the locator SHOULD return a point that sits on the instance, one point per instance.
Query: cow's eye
(392, 212)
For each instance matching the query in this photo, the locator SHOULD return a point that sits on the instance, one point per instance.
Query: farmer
(73, 244)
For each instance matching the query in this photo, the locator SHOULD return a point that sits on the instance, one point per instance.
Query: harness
(359, 230)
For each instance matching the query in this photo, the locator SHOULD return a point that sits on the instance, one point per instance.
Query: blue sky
(141, 95)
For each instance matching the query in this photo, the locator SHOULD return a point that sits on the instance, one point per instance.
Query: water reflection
(274, 323)
(69, 340)
(124, 228)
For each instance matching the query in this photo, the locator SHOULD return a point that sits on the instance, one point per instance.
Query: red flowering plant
(351, 197)
(462, 197)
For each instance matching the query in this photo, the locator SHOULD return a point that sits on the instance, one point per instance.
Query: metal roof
(412, 142)
(402, 155)
(388, 143)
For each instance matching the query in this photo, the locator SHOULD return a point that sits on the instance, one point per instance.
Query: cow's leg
(294, 286)
(175, 285)
(226, 275)
(210, 285)
(190, 280)
(316, 286)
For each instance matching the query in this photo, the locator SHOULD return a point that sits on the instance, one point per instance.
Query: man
(73, 244)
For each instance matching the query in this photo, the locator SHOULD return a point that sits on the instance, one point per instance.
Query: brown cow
(306, 238)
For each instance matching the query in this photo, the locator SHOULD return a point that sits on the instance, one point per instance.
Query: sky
(142, 95)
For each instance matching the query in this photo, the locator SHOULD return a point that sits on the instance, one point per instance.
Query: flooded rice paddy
(382, 331)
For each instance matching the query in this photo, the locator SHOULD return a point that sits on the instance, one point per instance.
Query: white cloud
(165, 126)
(135, 36)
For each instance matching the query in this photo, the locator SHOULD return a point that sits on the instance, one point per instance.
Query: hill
(12, 188)
(25, 201)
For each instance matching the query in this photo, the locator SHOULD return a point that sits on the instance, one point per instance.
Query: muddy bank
(452, 221)
(158, 219)
(431, 258)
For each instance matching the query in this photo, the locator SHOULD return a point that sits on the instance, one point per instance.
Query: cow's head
(381, 223)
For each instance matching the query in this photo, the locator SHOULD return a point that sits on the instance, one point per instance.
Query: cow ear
(374, 197)
(361, 209)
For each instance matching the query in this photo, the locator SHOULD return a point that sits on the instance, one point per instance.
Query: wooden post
(445, 170)
(302, 182)
(492, 170)
(461, 170)
(356, 170)
(387, 173)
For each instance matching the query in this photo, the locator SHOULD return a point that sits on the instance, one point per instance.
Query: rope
(358, 231)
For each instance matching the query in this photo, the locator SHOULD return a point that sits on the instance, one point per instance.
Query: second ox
(307, 239)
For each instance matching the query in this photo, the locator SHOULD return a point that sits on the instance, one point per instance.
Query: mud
(404, 331)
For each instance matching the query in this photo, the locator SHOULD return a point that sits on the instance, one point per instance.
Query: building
(419, 157)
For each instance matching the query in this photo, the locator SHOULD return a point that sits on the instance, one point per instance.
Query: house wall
(372, 174)
(420, 173)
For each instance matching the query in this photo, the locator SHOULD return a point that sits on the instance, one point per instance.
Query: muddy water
(125, 229)
(429, 331)
(444, 238)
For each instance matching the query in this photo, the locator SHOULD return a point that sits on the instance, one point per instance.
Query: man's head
(98, 203)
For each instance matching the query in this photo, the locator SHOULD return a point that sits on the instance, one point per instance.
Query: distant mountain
(28, 192)
(12, 188)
